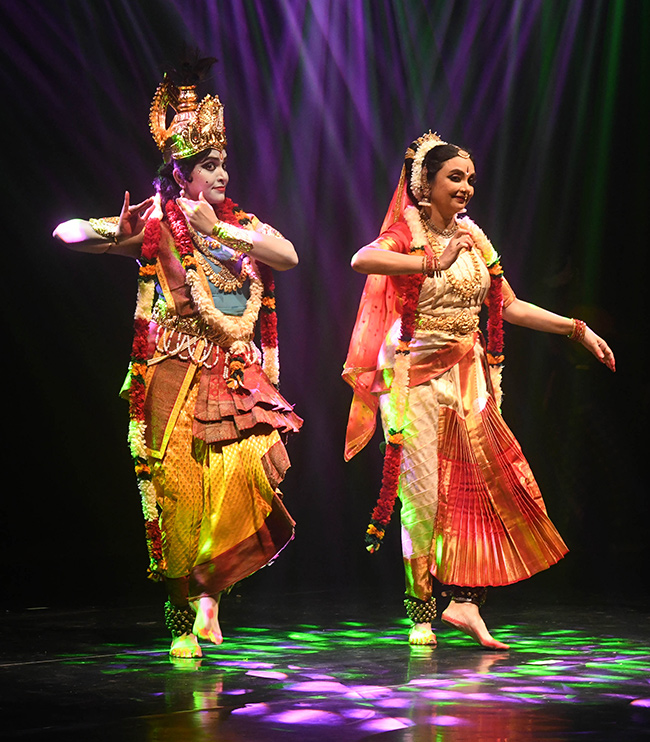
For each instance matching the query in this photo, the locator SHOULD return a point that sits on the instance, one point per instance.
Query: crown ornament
(195, 126)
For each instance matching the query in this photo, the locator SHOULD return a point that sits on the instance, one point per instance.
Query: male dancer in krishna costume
(207, 422)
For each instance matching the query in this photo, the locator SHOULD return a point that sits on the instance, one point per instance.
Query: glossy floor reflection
(573, 673)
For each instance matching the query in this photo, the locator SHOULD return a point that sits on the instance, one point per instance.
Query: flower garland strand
(495, 355)
(383, 510)
(139, 357)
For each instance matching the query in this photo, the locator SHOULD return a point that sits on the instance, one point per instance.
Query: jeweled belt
(189, 339)
(194, 326)
(458, 323)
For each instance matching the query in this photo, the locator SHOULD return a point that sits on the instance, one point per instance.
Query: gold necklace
(225, 280)
(465, 287)
(449, 232)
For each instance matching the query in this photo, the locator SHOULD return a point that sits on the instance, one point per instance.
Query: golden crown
(195, 126)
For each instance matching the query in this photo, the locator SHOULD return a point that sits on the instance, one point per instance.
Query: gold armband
(106, 227)
(233, 237)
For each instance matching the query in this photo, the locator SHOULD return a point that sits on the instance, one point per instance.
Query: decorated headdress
(195, 126)
(425, 143)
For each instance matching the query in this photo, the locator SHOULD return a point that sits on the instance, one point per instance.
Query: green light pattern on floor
(314, 677)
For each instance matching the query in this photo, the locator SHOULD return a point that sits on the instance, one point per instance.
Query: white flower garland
(426, 142)
(235, 328)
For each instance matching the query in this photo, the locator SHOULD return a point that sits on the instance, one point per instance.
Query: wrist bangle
(431, 266)
(233, 237)
(578, 330)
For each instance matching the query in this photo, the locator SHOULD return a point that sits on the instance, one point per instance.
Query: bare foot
(421, 633)
(206, 623)
(185, 646)
(466, 617)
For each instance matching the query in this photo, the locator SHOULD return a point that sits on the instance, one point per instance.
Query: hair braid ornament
(425, 143)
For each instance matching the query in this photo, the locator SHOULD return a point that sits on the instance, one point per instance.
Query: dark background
(321, 101)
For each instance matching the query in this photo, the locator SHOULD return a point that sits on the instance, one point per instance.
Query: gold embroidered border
(459, 323)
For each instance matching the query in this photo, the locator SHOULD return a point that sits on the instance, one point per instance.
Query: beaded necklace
(224, 279)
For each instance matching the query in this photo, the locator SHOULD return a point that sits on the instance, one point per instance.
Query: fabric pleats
(472, 513)
(221, 513)
(491, 525)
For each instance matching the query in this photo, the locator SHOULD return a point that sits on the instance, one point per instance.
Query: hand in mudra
(200, 214)
(133, 218)
(462, 240)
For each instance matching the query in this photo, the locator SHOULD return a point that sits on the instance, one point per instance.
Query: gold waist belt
(189, 325)
(193, 326)
(189, 339)
(459, 323)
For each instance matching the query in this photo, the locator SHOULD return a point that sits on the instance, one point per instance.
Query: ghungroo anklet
(179, 621)
(420, 611)
(476, 595)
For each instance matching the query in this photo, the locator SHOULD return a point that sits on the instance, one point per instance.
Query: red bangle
(431, 266)
(578, 331)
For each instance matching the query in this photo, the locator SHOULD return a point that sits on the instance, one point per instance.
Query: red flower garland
(181, 234)
(495, 317)
(383, 510)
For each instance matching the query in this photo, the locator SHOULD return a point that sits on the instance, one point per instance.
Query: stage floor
(316, 667)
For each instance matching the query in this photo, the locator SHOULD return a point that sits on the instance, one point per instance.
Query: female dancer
(207, 421)
(472, 514)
